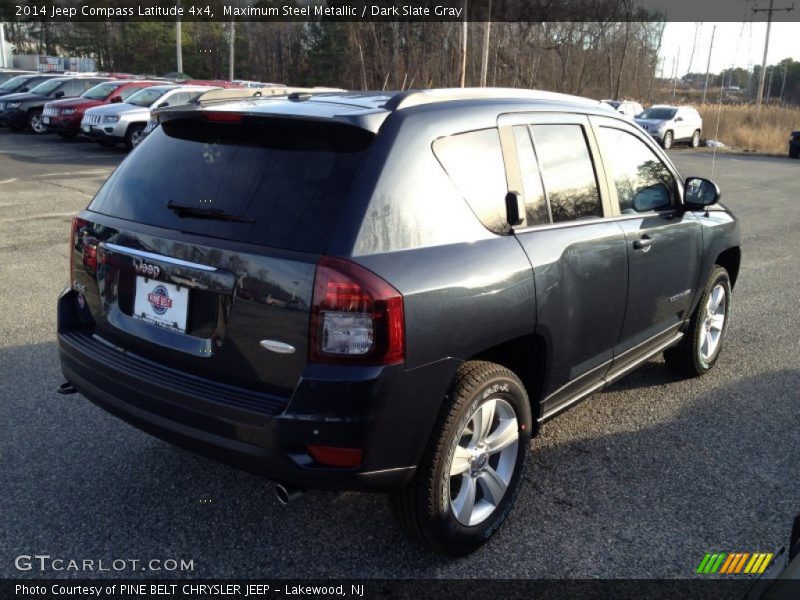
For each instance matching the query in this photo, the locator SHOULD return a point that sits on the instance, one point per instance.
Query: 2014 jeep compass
(389, 292)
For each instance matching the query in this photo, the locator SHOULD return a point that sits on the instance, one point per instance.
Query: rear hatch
(199, 252)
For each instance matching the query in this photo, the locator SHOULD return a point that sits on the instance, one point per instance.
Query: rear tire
(667, 140)
(467, 480)
(794, 152)
(700, 348)
(696, 139)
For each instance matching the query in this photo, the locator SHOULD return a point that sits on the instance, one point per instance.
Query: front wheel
(466, 483)
(36, 123)
(696, 138)
(700, 348)
(134, 136)
(667, 140)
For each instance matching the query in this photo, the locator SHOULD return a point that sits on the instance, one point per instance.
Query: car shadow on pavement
(623, 485)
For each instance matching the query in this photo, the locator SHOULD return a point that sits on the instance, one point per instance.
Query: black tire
(696, 139)
(424, 507)
(667, 140)
(133, 136)
(794, 152)
(688, 358)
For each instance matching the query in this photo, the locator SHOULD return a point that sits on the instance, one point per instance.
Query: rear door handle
(643, 243)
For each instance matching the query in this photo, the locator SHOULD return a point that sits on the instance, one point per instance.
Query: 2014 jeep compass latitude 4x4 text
(389, 292)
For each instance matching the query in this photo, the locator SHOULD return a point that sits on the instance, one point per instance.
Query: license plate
(162, 304)
(86, 129)
(45, 120)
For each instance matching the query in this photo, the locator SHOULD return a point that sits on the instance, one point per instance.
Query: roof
(368, 109)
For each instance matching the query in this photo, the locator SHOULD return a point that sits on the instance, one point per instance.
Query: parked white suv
(670, 124)
(627, 108)
(124, 122)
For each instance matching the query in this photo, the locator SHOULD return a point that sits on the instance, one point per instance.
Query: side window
(474, 161)
(535, 203)
(127, 92)
(567, 172)
(71, 88)
(643, 182)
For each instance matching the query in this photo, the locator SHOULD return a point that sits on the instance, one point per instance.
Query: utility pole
(783, 85)
(464, 28)
(178, 43)
(763, 74)
(485, 60)
(675, 63)
(708, 64)
(769, 85)
(231, 45)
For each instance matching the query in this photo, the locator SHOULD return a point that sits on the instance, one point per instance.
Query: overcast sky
(735, 44)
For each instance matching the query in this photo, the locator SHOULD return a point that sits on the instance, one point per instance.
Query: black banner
(482, 589)
(387, 10)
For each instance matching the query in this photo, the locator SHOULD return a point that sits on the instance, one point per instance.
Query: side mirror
(699, 192)
(115, 99)
(162, 105)
(678, 119)
(59, 94)
(515, 209)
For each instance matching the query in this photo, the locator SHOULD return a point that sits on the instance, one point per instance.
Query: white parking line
(66, 173)
(8, 180)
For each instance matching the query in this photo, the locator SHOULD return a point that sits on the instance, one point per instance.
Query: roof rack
(250, 93)
(417, 97)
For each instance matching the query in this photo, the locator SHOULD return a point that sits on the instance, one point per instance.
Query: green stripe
(703, 563)
(711, 563)
(718, 564)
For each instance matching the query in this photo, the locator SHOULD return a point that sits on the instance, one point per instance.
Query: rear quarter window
(285, 182)
(474, 161)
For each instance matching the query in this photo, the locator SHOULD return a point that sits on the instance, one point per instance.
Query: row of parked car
(110, 109)
(667, 124)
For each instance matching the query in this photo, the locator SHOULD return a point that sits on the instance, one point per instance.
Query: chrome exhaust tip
(286, 493)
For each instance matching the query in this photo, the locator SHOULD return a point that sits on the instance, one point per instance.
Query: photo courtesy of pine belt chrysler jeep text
(389, 291)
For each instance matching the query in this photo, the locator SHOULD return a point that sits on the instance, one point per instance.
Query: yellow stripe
(728, 563)
(749, 567)
(765, 564)
(742, 557)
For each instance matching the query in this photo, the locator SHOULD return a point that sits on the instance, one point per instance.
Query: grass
(741, 129)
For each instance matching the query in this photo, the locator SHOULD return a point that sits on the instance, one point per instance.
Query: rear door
(578, 255)
(664, 242)
(204, 243)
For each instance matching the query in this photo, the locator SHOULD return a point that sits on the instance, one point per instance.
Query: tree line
(601, 59)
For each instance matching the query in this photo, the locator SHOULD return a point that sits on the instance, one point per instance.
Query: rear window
(284, 182)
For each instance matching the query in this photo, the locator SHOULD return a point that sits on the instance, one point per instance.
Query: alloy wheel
(713, 322)
(483, 461)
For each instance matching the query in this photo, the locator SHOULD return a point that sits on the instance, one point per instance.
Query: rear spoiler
(249, 93)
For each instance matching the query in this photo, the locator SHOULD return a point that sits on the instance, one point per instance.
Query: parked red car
(64, 116)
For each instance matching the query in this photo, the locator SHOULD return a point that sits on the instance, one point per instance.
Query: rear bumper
(388, 412)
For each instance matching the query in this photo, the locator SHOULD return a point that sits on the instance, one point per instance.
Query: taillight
(76, 244)
(356, 317)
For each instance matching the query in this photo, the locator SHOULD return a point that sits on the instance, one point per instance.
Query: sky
(735, 44)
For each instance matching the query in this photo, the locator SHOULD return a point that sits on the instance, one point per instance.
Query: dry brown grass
(739, 127)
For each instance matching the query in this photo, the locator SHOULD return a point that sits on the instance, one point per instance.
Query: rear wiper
(205, 213)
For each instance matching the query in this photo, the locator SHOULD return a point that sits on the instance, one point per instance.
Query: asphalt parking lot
(638, 481)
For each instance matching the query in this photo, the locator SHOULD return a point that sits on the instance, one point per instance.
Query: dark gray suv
(389, 292)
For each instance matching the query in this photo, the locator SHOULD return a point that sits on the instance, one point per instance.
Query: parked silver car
(670, 124)
(124, 122)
